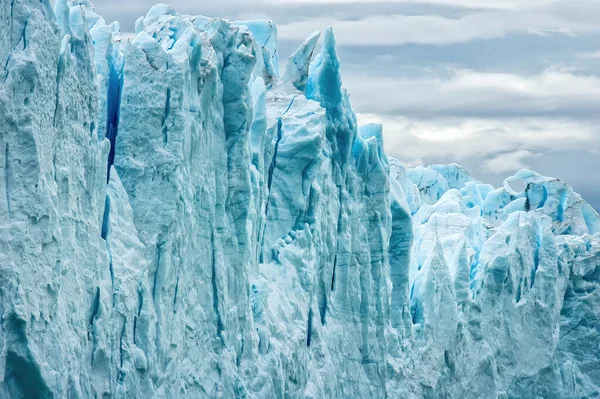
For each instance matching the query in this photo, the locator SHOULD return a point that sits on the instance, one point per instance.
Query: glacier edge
(253, 240)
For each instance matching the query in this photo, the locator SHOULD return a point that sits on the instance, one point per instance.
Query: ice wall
(180, 221)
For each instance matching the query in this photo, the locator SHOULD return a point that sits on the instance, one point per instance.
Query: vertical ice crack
(215, 290)
(104, 233)
(95, 308)
(323, 304)
(175, 295)
(135, 319)
(7, 173)
(12, 7)
(112, 278)
(94, 314)
(165, 130)
(339, 230)
(122, 343)
(24, 34)
(5, 72)
(158, 270)
(59, 71)
(536, 254)
(289, 106)
(140, 300)
(105, 218)
(139, 312)
(309, 328)
(274, 161)
(238, 358)
(562, 206)
(113, 107)
(159, 279)
(519, 290)
(271, 171)
(333, 274)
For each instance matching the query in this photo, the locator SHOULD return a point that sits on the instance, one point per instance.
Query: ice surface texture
(179, 219)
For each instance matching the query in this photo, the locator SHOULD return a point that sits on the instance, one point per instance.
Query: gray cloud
(552, 93)
(398, 28)
(282, 12)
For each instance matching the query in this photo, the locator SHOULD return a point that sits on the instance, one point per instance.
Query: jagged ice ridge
(177, 219)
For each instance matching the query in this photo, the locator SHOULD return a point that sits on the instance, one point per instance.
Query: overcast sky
(495, 85)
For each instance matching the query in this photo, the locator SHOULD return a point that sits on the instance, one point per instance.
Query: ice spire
(296, 70)
(325, 86)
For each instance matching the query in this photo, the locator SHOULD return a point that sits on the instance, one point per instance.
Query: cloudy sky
(495, 85)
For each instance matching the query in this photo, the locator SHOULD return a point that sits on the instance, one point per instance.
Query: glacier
(180, 219)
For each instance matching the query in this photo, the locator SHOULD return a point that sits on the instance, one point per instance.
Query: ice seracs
(179, 219)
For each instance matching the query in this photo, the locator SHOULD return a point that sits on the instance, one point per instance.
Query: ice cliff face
(180, 220)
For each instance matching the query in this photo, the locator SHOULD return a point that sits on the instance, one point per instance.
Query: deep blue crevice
(105, 218)
(60, 68)
(95, 308)
(307, 216)
(139, 312)
(309, 330)
(104, 231)
(519, 291)
(323, 308)
(158, 271)
(333, 273)
(536, 263)
(562, 206)
(339, 230)
(135, 318)
(175, 296)
(274, 161)
(165, 130)
(140, 300)
(156, 288)
(7, 182)
(12, 7)
(289, 106)
(544, 197)
(238, 358)
(536, 254)
(122, 343)
(94, 314)
(215, 292)
(24, 35)
(473, 270)
(113, 106)
(112, 279)
(416, 312)
(341, 213)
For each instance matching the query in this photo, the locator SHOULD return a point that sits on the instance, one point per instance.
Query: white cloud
(509, 162)
(487, 4)
(396, 29)
(551, 93)
(459, 139)
(472, 4)
(590, 55)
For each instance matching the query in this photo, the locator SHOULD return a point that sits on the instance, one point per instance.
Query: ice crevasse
(179, 219)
